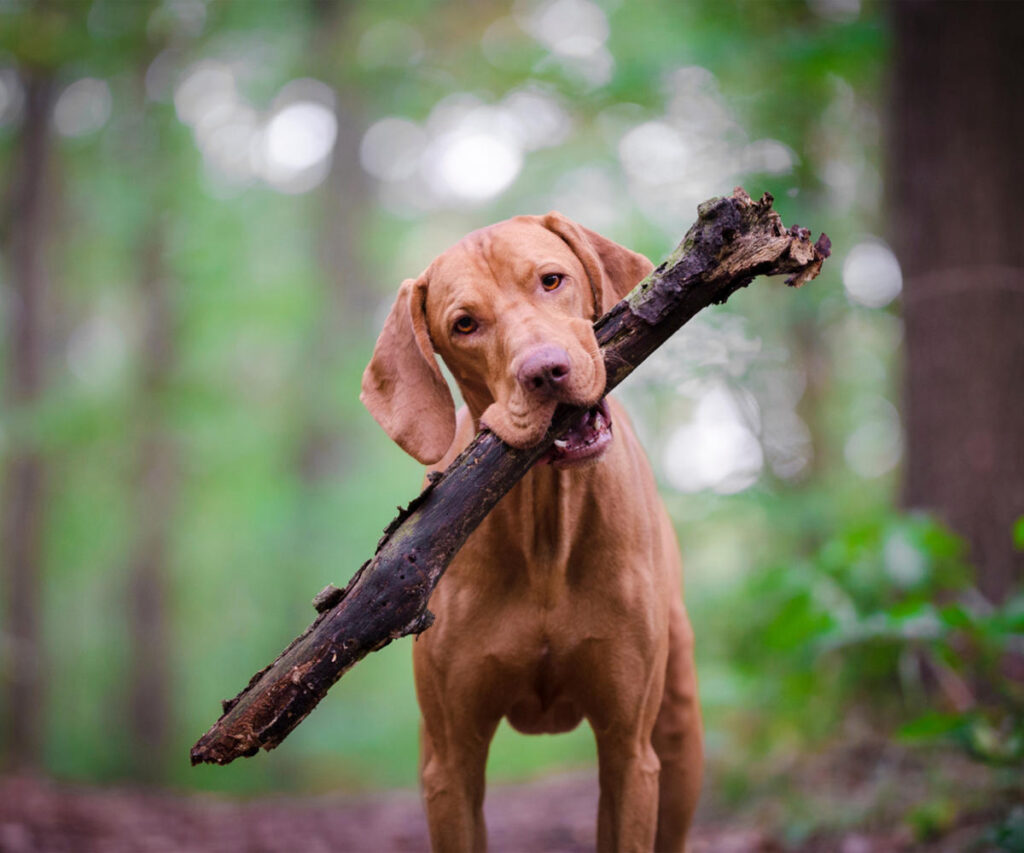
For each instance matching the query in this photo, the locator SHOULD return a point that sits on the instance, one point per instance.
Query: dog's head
(510, 309)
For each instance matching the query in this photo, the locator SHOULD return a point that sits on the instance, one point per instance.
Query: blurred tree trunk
(156, 458)
(955, 170)
(24, 498)
(346, 195)
(342, 204)
(156, 464)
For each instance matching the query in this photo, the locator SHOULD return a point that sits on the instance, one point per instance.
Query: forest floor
(552, 814)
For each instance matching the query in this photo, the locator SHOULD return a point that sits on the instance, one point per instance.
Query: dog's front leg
(459, 721)
(677, 738)
(627, 813)
(452, 776)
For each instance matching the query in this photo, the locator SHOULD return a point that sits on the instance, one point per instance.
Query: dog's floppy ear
(402, 385)
(613, 270)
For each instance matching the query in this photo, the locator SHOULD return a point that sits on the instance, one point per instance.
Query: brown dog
(565, 603)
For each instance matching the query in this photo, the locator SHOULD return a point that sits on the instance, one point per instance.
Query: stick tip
(212, 750)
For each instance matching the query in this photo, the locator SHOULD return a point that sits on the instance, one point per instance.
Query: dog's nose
(544, 369)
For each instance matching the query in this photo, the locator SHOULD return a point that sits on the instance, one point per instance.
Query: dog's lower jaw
(585, 442)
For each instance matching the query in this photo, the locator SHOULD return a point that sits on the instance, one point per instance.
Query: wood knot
(327, 598)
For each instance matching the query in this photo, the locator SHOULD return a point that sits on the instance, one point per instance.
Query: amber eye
(465, 324)
(551, 281)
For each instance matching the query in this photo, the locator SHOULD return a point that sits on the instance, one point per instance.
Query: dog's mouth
(585, 441)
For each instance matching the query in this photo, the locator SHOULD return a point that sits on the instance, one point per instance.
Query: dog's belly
(531, 716)
(541, 705)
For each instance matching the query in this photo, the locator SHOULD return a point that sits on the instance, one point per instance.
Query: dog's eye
(551, 281)
(465, 324)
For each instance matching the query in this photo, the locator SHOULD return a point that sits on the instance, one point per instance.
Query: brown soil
(555, 814)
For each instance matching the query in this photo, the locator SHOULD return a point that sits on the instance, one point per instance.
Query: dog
(565, 602)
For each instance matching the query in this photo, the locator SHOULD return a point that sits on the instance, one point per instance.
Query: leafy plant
(884, 620)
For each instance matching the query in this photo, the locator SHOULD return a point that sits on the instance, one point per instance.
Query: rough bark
(955, 168)
(733, 241)
(25, 475)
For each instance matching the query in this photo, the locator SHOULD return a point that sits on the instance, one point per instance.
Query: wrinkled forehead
(498, 258)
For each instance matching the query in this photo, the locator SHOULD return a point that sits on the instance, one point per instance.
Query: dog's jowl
(565, 603)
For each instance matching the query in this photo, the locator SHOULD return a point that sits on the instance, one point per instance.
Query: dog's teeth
(561, 443)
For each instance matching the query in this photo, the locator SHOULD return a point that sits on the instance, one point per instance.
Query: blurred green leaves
(884, 622)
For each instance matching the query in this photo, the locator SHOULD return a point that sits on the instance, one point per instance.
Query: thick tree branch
(734, 240)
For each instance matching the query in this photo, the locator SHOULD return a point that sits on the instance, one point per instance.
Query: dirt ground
(555, 815)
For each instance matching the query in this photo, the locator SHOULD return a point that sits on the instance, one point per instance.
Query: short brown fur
(565, 603)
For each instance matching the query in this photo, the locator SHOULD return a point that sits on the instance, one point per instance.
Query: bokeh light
(472, 165)
(875, 445)
(98, 350)
(10, 96)
(719, 449)
(83, 107)
(288, 147)
(391, 149)
(296, 146)
(872, 274)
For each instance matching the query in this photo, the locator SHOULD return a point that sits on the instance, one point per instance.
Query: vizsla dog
(565, 603)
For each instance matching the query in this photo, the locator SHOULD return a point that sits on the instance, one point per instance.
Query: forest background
(207, 209)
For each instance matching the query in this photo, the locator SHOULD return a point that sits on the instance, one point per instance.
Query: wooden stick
(733, 240)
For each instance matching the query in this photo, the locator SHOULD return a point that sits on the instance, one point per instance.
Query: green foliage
(932, 818)
(884, 619)
(1008, 835)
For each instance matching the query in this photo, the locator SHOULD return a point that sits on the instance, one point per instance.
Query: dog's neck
(566, 494)
(548, 508)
